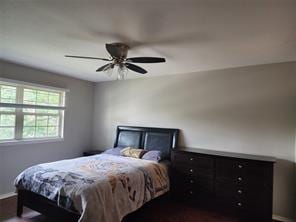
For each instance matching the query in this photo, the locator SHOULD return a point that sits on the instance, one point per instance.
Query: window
(29, 112)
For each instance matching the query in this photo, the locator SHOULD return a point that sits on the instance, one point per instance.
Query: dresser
(239, 184)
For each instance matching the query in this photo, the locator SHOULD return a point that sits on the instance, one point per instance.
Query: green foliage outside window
(36, 122)
(7, 115)
(39, 97)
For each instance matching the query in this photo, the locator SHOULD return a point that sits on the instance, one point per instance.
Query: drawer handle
(191, 181)
(240, 191)
(239, 204)
(191, 170)
(190, 192)
(239, 178)
(240, 166)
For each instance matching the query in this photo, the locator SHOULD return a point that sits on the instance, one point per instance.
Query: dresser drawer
(193, 171)
(193, 159)
(238, 204)
(230, 164)
(231, 190)
(232, 168)
(206, 187)
(235, 205)
(188, 194)
(243, 181)
(198, 189)
(201, 185)
(185, 190)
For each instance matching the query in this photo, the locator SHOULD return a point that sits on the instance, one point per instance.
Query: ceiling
(193, 35)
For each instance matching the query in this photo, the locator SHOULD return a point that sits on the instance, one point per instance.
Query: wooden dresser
(236, 183)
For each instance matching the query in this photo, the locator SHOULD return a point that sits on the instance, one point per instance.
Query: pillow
(132, 152)
(153, 155)
(114, 151)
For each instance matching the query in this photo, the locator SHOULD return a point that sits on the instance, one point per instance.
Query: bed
(97, 198)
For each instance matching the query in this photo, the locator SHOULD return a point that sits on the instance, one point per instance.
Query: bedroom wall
(295, 179)
(248, 109)
(78, 125)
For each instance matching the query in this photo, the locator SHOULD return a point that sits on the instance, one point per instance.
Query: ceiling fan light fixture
(122, 72)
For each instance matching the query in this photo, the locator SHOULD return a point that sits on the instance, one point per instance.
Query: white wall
(295, 179)
(78, 125)
(249, 110)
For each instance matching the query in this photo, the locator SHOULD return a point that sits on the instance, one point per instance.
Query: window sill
(31, 141)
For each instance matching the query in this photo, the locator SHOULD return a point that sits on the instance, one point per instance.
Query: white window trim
(18, 105)
(19, 118)
(31, 141)
(35, 85)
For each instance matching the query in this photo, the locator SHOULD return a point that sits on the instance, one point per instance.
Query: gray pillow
(153, 155)
(114, 151)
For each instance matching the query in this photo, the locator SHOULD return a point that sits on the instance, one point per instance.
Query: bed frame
(147, 138)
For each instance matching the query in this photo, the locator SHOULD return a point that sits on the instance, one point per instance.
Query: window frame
(19, 105)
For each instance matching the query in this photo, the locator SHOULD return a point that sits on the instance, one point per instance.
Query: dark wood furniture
(147, 138)
(236, 183)
(92, 152)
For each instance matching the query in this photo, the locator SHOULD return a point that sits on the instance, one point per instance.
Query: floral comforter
(102, 187)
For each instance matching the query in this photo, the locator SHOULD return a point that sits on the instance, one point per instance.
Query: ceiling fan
(118, 57)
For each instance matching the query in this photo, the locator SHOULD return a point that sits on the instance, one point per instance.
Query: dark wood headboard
(147, 138)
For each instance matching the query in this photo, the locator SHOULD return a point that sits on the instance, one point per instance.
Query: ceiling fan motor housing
(118, 51)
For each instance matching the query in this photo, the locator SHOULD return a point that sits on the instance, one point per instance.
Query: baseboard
(282, 219)
(7, 195)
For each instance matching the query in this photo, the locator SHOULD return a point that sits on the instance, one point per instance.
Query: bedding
(153, 155)
(133, 152)
(101, 188)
